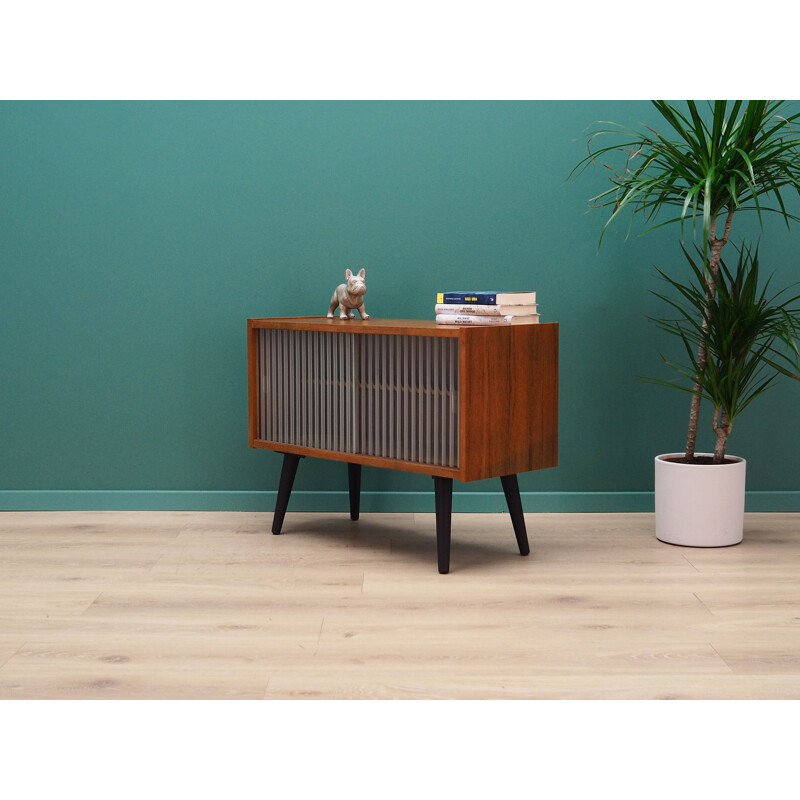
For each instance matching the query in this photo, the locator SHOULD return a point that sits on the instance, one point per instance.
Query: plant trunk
(722, 427)
(702, 353)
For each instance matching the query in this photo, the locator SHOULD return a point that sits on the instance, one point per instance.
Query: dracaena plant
(708, 164)
(748, 335)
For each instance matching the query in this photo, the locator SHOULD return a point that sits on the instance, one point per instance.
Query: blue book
(488, 298)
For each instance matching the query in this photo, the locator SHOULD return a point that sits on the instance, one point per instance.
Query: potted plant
(748, 337)
(739, 155)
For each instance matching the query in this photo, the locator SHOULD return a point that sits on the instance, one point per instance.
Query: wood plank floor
(147, 605)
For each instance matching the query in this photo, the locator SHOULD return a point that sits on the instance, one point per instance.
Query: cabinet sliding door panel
(389, 396)
(411, 408)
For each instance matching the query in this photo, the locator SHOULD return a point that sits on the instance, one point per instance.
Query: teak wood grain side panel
(509, 400)
(534, 395)
(252, 382)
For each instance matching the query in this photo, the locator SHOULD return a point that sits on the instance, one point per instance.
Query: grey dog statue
(349, 296)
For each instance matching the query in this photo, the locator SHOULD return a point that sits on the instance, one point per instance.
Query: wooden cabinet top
(408, 327)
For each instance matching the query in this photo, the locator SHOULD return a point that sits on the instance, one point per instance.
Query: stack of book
(486, 308)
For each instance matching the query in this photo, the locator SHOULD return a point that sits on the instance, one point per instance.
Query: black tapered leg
(289, 470)
(511, 489)
(354, 482)
(444, 506)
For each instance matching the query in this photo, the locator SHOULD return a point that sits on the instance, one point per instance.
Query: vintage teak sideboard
(454, 402)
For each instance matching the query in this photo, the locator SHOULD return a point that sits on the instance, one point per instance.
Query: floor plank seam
(90, 604)
(703, 604)
(15, 653)
(683, 556)
(722, 659)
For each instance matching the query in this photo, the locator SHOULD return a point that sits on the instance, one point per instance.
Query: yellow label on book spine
(440, 297)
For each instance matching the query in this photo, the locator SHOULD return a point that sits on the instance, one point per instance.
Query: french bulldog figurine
(349, 296)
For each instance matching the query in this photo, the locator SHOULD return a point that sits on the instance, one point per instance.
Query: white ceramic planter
(699, 505)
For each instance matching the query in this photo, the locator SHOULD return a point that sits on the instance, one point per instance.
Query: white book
(475, 319)
(491, 311)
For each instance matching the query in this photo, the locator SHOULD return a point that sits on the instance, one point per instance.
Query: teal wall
(136, 238)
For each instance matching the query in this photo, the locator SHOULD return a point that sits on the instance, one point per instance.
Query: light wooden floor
(211, 605)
